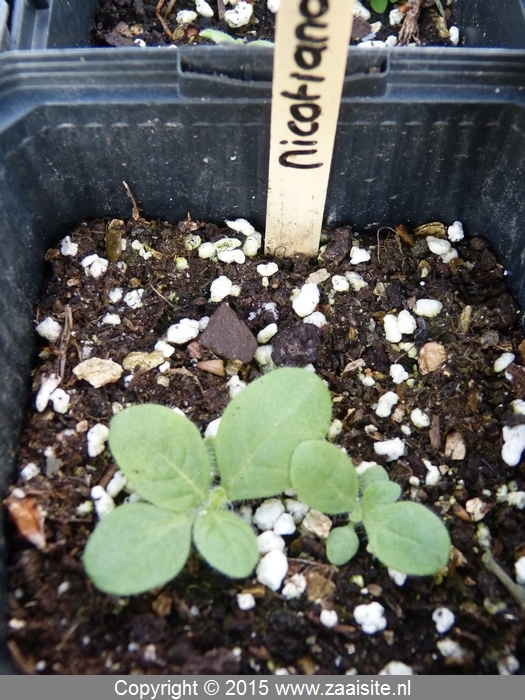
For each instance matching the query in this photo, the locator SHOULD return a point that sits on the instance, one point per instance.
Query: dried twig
(410, 29)
(135, 210)
(162, 21)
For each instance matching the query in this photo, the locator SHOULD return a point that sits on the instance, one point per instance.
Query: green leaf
(380, 493)
(226, 542)
(379, 5)
(219, 37)
(408, 537)
(163, 455)
(324, 477)
(371, 475)
(263, 425)
(137, 547)
(341, 545)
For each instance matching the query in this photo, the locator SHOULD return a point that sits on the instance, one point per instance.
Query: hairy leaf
(380, 493)
(408, 537)
(379, 6)
(324, 477)
(163, 454)
(263, 425)
(341, 545)
(226, 542)
(371, 475)
(137, 547)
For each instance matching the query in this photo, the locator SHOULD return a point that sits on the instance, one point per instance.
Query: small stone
(220, 288)
(406, 322)
(96, 438)
(166, 349)
(428, 307)
(339, 245)
(431, 357)
(268, 513)
(133, 299)
(268, 540)
(182, 332)
(49, 329)
(356, 281)
(142, 361)
(396, 668)
(272, 569)
(477, 509)
(398, 373)
(340, 283)
(267, 333)
(519, 567)
(296, 346)
(235, 386)
(455, 447)
(438, 246)
(392, 332)
(228, 336)
(241, 226)
(329, 618)
(203, 8)
(370, 617)
(359, 255)
(419, 418)
(386, 403)
(455, 232)
(391, 449)
(513, 444)
(503, 361)
(245, 601)
(67, 247)
(444, 619)
(239, 16)
(284, 525)
(267, 270)
(60, 400)
(98, 372)
(317, 319)
(186, 17)
(47, 387)
(212, 366)
(306, 301)
(294, 587)
(317, 523)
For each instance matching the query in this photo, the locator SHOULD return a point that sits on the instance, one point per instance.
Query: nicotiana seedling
(405, 536)
(271, 438)
(140, 546)
(219, 37)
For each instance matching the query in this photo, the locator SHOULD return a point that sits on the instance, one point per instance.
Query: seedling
(140, 546)
(404, 536)
(271, 437)
(219, 37)
(379, 6)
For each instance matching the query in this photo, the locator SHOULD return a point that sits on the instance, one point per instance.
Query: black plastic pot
(5, 39)
(41, 24)
(188, 131)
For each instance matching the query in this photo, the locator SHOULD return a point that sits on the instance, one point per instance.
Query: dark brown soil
(62, 625)
(123, 22)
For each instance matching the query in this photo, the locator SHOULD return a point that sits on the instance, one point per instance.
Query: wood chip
(27, 515)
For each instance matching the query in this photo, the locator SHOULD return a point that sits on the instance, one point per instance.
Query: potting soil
(456, 372)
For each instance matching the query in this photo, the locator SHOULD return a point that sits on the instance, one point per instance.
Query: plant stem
(516, 591)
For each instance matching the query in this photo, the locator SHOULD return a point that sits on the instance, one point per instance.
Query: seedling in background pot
(140, 546)
(405, 536)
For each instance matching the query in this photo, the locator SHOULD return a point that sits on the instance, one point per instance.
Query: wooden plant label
(311, 45)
